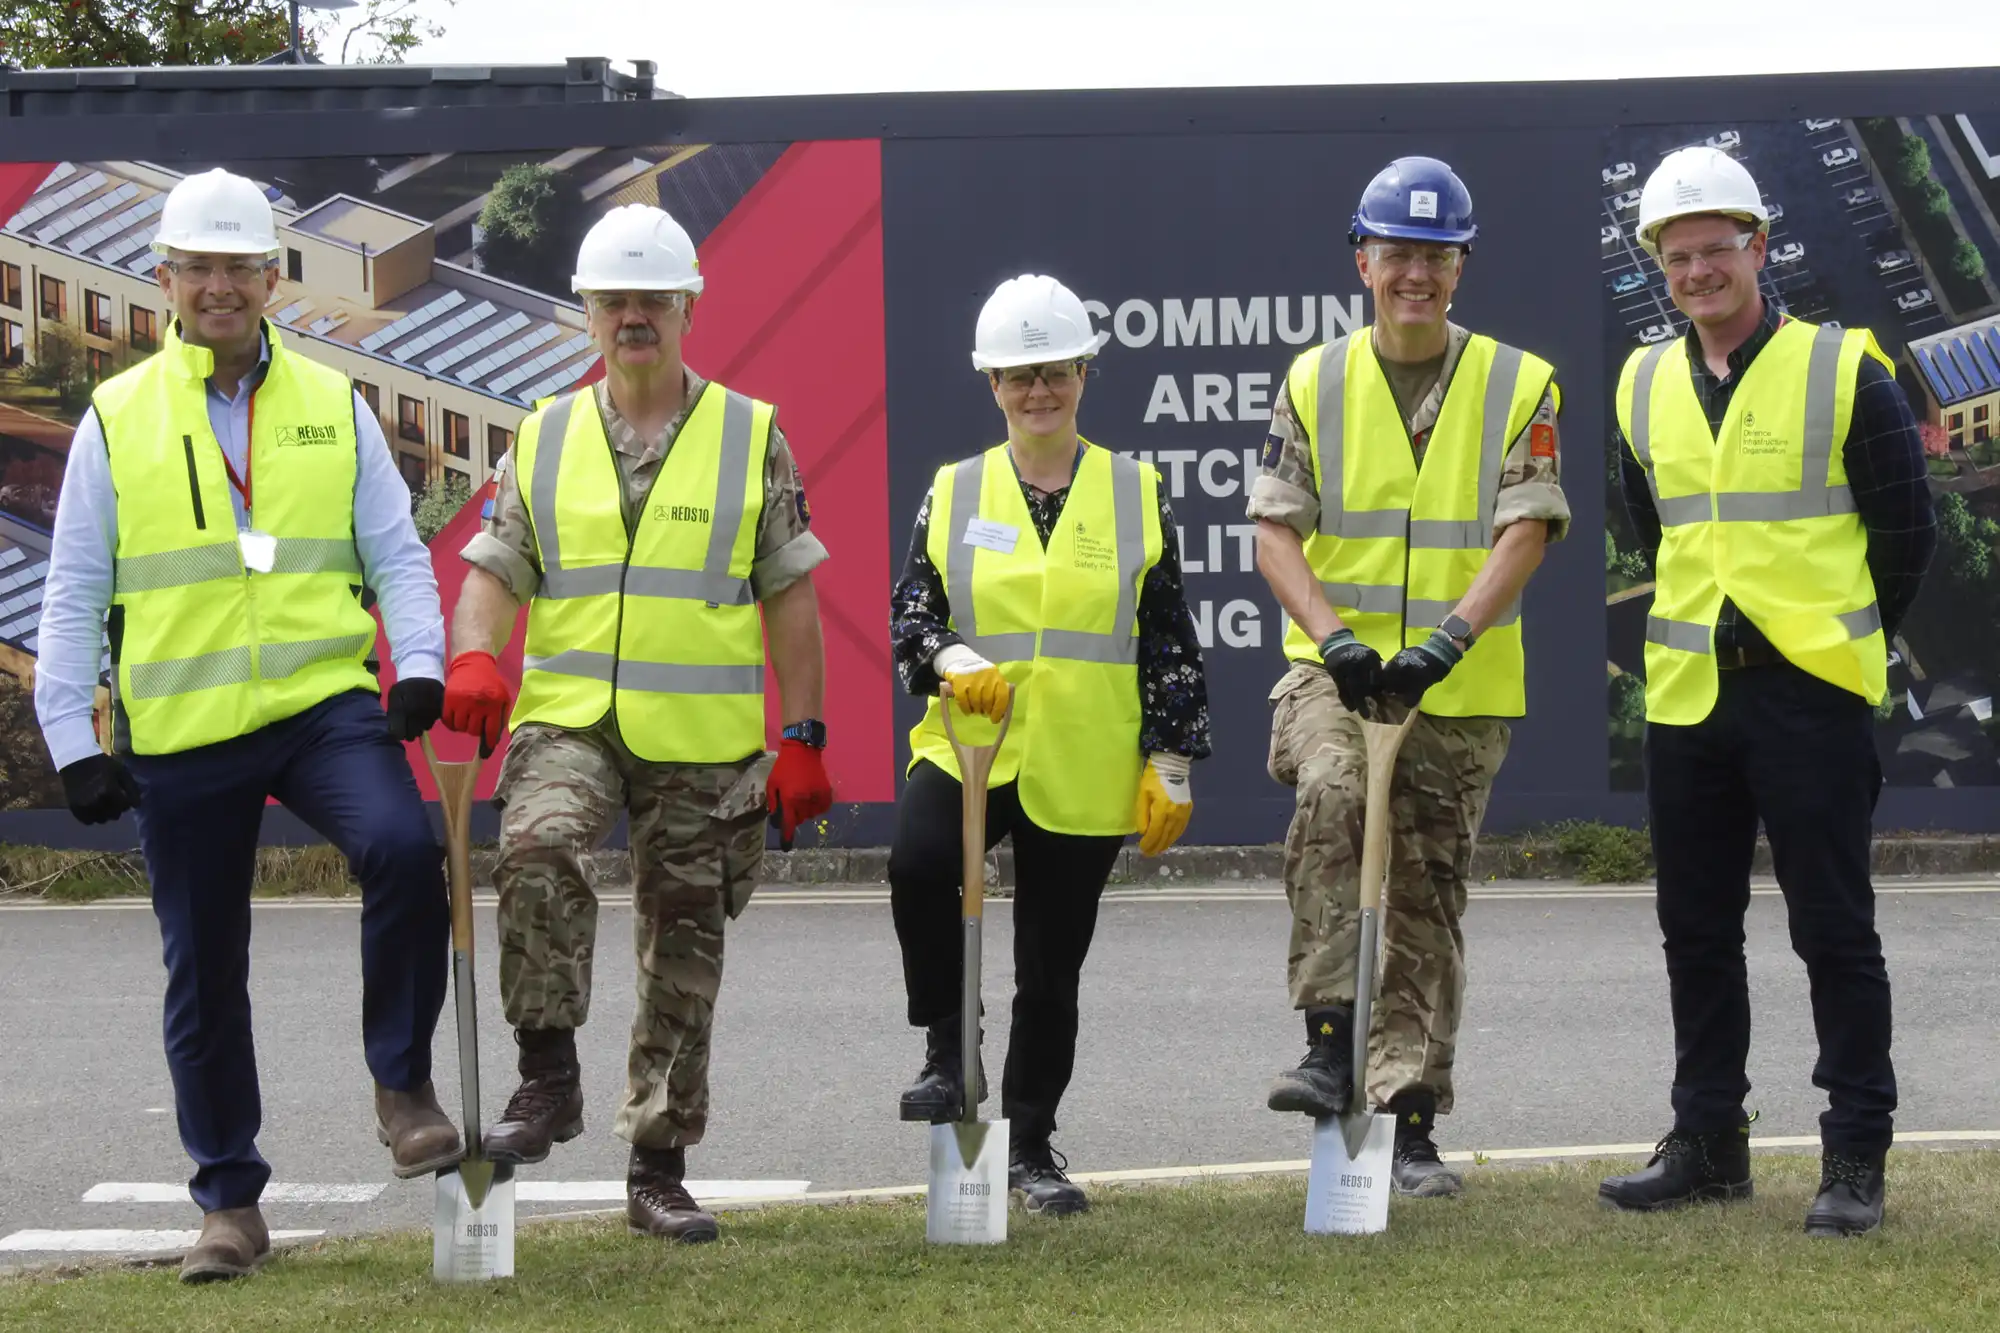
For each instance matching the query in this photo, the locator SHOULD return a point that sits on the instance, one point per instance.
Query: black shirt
(1886, 471)
(1173, 691)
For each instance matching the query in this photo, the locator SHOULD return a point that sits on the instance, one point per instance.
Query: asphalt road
(1185, 1021)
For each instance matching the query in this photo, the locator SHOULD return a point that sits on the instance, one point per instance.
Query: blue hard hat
(1415, 199)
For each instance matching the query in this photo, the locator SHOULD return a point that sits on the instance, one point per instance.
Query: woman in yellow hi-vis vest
(1048, 563)
(1777, 469)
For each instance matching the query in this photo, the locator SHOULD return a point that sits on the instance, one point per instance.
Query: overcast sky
(727, 48)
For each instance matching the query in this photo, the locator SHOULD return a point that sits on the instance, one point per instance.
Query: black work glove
(99, 789)
(1355, 667)
(1414, 670)
(415, 705)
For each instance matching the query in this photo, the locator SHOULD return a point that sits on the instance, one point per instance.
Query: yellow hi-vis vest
(1061, 623)
(1399, 545)
(663, 627)
(1760, 514)
(205, 649)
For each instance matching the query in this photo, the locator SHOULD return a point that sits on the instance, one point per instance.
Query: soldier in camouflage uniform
(1412, 230)
(696, 826)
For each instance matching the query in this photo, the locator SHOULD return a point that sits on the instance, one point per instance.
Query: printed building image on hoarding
(1893, 225)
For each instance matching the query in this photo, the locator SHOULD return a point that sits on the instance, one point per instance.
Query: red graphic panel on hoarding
(19, 181)
(792, 313)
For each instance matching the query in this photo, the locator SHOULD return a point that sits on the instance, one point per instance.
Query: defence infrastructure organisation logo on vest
(290, 435)
(1759, 440)
(1093, 552)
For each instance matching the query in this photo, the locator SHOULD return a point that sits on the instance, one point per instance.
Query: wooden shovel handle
(975, 762)
(1384, 741)
(456, 783)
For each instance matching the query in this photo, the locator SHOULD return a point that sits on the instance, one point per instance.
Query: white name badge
(260, 549)
(993, 536)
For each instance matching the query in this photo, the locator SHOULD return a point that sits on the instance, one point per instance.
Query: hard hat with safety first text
(1415, 199)
(1031, 320)
(1691, 181)
(217, 212)
(637, 248)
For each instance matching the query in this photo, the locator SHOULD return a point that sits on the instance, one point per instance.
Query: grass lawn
(1528, 1248)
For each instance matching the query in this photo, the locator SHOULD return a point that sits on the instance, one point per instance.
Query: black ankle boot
(938, 1094)
(1324, 1080)
(1416, 1169)
(1850, 1195)
(1685, 1168)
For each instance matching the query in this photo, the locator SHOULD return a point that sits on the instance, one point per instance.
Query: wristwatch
(1459, 629)
(812, 731)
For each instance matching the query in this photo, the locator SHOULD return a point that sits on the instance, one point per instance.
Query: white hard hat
(1032, 319)
(1697, 180)
(217, 213)
(636, 248)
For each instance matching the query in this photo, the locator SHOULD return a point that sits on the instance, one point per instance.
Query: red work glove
(476, 699)
(799, 790)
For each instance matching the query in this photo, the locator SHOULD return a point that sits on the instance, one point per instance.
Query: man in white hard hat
(1776, 469)
(1410, 483)
(1069, 552)
(224, 504)
(645, 522)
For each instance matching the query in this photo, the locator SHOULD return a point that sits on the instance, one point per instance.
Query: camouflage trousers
(697, 841)
(1444, 775)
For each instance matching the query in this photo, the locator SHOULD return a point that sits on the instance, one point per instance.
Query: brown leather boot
(234, 1243)
(419, 1135)
(548, 1106)
(657, 1202)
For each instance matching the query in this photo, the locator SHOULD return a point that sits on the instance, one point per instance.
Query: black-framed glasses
(1058, 375)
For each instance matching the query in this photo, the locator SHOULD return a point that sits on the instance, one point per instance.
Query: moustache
(637, 334)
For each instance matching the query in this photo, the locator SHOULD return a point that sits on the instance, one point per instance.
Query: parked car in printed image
(1726, 140)
(1776, 211)
(1818, 125)
(1891, 260)
(1628, 282)
(1619, 171)
(1629, 199)
(1915, 300)
(1859, 195)
(1788, 254)
(1610, 234)
(1839, 157)
(1655, 333)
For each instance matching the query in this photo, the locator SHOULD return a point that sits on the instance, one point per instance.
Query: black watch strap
(812, 731)
(1459, 628)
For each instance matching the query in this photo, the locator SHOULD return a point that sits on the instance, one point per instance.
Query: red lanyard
(242, 483)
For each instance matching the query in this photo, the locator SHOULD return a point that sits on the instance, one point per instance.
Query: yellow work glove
(975, 683)
(1165, 803)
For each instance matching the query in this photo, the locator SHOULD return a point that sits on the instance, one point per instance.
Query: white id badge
(260, 549)
(993, 536)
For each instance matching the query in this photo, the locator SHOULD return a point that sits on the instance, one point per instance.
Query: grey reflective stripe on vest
(1814, 498)
(1383, 599)
(178, 569)
(1439, 534)
(651, 677)
(712, 583)
(1121, 646)
(1860, 624)
(1683, 635)
(276, 661)
(1425, 612)
(316, 555)
(185, 675)
(1331, 431)
(967, 479)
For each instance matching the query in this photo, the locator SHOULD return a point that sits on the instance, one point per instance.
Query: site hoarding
(844, 273)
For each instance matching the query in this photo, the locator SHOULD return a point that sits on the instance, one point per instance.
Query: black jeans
(1058, 878)
(1798, 753)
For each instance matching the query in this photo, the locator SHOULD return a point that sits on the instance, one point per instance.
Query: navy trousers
(336, 768)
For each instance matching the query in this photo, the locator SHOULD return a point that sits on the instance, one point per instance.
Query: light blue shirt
(77, 592)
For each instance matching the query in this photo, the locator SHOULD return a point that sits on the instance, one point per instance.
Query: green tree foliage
(1967, 262)
(439, 504)
(1628, 698)
(62, 366)
(1965, 542)
(77, 34)
(28, 780)
(532, 224)
(1913, 162)
(1936, 202)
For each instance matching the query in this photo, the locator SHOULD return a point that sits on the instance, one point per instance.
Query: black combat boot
(548, 1106)
(1417, 1170)
(1324, 1080)
(1712, 1167)
(1033, 1173)
(1850, 1195)
(939, 1092)
(657, 1202)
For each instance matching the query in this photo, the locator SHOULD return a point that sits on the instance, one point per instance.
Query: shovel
(1347, 1188)
(472, 1227)
(966, 1203)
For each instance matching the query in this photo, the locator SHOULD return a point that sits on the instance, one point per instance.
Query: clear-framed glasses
(1429, 258)
(1058, 375)
(240, 272)
(1680, 261)
(650, 304)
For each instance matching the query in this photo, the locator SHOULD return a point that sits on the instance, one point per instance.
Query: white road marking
(119, 1191)
(117, 1241)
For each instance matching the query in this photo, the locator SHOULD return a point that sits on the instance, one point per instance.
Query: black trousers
(1059, 879)
(1798, 753)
